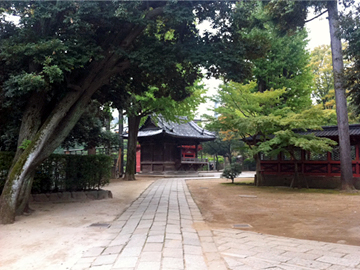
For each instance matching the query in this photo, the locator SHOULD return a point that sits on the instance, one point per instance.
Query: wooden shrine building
(321, 171)
(171, 147)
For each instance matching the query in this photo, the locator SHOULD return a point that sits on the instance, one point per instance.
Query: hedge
(64, 172)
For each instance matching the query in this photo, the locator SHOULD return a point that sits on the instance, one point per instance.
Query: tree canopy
(286, 64)
(257, 119)
(289, 15)
(61, 53)
(350, 24)
(321, 65)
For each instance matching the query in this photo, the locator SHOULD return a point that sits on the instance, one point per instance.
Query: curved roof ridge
(184, 129)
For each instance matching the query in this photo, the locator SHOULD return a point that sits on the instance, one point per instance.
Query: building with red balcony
(319, 171)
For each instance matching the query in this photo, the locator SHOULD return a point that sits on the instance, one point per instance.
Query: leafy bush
(230, 172)
(249, 164)
(64, 172)
(87, 172)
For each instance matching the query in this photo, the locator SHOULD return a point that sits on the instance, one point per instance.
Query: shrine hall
(170, 147)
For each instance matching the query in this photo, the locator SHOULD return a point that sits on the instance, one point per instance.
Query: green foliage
(249, 164)
(21, 84)
(287, 141)
(89, 130)
(286, 65)
(87, 172)
(64, 172)
(289, 16)
(25, 144)
(321, 64)
(350, 27)
(224, 148)
(285, 61)
(324, 92)
(245, 113)
(58, 46)
(232, 171)
(257, 119)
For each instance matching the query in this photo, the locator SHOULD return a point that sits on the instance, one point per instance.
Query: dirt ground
(56, 234)
(330, 217)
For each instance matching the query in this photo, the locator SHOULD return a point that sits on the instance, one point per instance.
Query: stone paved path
(164, 229)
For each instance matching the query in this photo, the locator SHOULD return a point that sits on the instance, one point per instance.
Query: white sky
(318, 34)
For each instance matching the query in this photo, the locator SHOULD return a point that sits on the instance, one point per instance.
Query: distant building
(171, 147)
(320, 171)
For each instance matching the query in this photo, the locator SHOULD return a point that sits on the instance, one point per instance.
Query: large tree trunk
(217, 163)
(340, 97)
(258, 174)
(16, 191)
(46, 132)
(23, 201)
(295, 181)
(134, 122)
(108, 119)
(42, 143)
(121, 143)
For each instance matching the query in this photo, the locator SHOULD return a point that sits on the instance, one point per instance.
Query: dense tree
(289, 15)
(255, 117)
(286, 64)
(61, 53)
(246, 114)
(150, 103)
(287, 141)
(92, 130)
(323, 92)
(350, 25)
(226, 148)
(321, 65)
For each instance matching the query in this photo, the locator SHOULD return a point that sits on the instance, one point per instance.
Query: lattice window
(335, 154)
(267, 157)
(319, 157)
(287, 156)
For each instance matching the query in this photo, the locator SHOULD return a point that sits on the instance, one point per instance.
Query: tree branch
(237, 106)
(74, 87)
(138, 29)
(317, 16)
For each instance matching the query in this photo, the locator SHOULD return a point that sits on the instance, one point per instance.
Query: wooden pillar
(328, 163)
(357, 169)
(91, 151)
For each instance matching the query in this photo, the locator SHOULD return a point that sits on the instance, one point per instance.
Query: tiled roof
(186, 129)
(327, 131)
(332, 131)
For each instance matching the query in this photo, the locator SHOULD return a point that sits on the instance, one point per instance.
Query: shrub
(230, 172)
(249, 164)
(64, 172)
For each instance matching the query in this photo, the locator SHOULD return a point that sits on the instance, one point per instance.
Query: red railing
(193, 160)
(308, 167)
